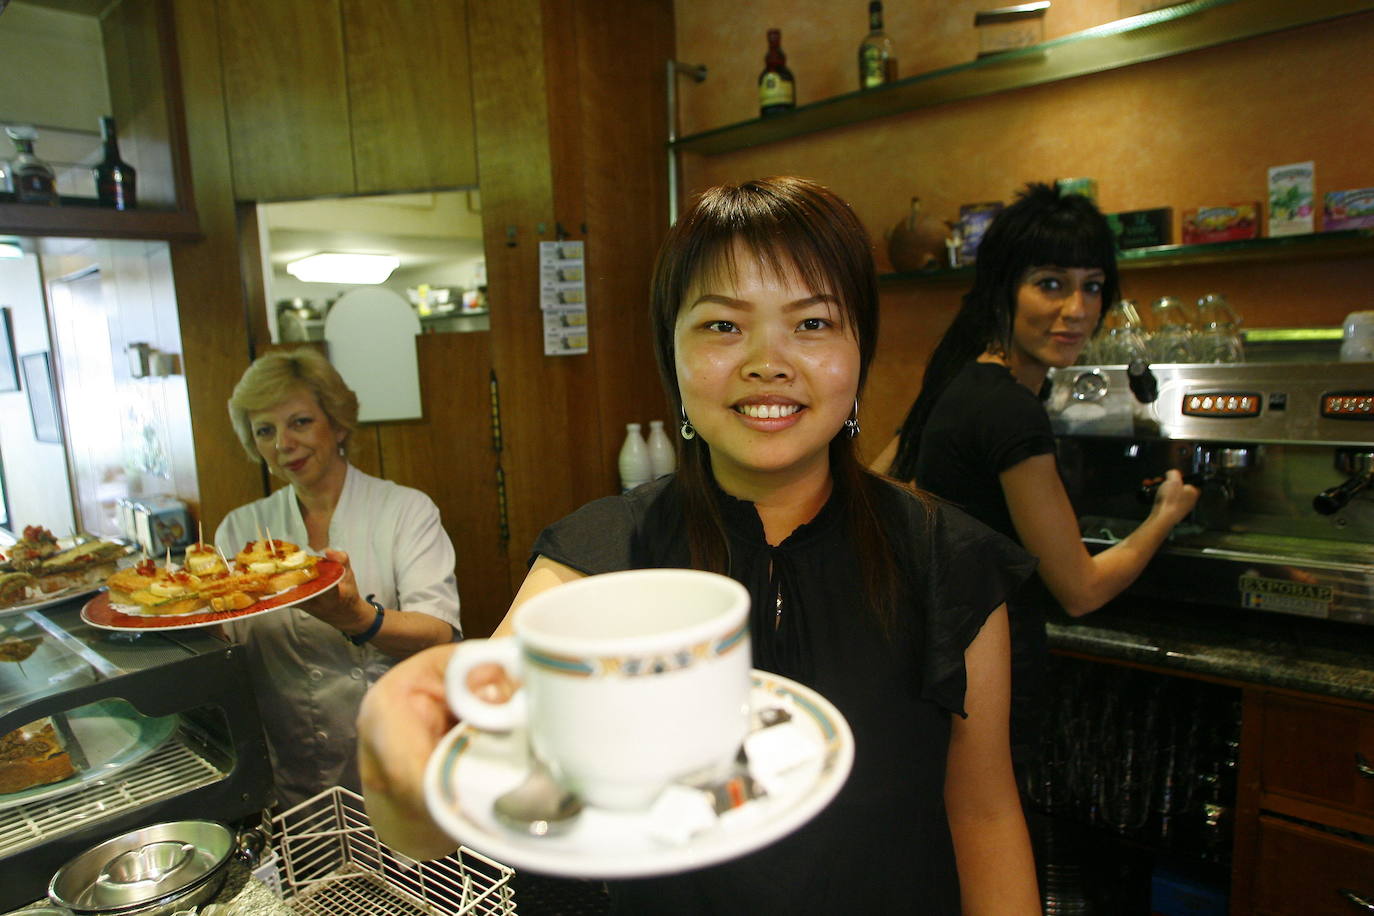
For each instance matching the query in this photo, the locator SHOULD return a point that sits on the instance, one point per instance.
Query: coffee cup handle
(469, 707)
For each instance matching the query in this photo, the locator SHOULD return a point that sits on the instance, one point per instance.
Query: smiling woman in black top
(764, 305)
(978, 436)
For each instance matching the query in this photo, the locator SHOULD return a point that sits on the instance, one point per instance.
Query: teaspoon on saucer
(538, 806)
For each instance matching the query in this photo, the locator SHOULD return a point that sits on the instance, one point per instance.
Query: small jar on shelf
(31, 178)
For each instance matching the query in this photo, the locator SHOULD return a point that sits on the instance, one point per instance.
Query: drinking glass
(1172, 340)
(1121, 336)
(1219, 338)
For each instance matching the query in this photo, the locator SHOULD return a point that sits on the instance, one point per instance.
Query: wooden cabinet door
(1301, 870)
(410, 94)
(1319, 753)
(449, 454)
(286, 98)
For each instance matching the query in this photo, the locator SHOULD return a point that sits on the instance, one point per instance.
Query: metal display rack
(332, 864)
(179, 766)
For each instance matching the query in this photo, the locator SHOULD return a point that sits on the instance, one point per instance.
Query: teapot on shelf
(918, 241)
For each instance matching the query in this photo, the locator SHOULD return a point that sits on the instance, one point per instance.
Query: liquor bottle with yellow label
(777, 89)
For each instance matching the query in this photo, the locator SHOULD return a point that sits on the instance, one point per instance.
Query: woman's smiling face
(767, 369)
(1056, 311)
(297, 440)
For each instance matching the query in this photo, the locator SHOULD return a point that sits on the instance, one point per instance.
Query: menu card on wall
(563, 297)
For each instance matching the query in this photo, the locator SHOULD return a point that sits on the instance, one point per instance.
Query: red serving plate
(98, 612)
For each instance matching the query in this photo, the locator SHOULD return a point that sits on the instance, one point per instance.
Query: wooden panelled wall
(216, 345)
(585, 157)
(568, 107)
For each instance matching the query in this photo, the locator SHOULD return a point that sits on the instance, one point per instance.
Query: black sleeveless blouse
(883, 845)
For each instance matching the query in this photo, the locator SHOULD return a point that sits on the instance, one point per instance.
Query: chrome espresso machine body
(1284, 455)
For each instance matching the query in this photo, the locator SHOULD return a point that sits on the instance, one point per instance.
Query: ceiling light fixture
(338, 267)
(11, 250)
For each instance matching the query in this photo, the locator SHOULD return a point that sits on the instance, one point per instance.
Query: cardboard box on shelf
(1143, 228)
(1353, 209)
(1221, 224)
(1087, 187)
(1290, 199)
(974, 220)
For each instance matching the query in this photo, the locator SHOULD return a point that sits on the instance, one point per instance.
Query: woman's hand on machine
(1173, 497)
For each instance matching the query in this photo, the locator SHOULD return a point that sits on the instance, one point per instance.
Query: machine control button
(1222, 405)
(1348, 405)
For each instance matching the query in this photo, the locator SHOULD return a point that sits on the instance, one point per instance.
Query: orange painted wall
(1197, 129)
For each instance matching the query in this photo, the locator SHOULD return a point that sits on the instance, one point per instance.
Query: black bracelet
(371, 631)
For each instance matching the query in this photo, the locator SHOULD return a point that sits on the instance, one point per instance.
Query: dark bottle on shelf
(115, 179)
(32, 179)
(777, 89)
(877, 64)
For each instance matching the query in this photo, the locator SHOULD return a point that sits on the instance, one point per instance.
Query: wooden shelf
(97, 222)
(1316, 246)
(144, 83)
(1162, 33)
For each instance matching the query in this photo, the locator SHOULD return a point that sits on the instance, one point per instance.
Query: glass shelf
(1316, 246)
(1162, 33)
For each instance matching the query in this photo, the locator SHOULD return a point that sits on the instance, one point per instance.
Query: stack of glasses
(1175, 334)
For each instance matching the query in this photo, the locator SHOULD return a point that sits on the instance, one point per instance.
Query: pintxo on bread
(285, 564)
(37, 566)
(208, 582)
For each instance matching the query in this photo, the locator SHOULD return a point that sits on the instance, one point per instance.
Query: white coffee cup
(630, 680)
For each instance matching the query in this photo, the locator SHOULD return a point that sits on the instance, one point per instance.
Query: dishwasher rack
(332, 864)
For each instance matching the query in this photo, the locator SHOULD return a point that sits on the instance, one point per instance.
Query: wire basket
(332, 864)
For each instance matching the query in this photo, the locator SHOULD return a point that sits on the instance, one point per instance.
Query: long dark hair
(1043, 227)
(781, 221)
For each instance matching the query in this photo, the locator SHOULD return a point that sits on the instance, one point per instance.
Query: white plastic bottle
(662, 459)
(634, 459)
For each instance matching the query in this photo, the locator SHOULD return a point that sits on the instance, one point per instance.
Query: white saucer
(470, 768)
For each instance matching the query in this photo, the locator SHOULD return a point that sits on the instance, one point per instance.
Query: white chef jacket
(308, 677)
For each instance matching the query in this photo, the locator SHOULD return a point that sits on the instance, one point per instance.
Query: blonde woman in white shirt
(312, 663)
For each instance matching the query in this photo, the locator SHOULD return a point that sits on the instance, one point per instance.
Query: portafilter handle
(1147, 491)
(1334, 499)
(1359, 465)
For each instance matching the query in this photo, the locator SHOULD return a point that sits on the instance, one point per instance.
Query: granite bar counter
(1257, 648)
(240, 895)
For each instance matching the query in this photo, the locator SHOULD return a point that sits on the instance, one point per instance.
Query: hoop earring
(687, 430)
(851, 425)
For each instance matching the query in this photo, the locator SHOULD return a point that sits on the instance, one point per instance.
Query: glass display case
(102, 732)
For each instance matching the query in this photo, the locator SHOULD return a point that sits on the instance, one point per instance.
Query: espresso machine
(1283, 452)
